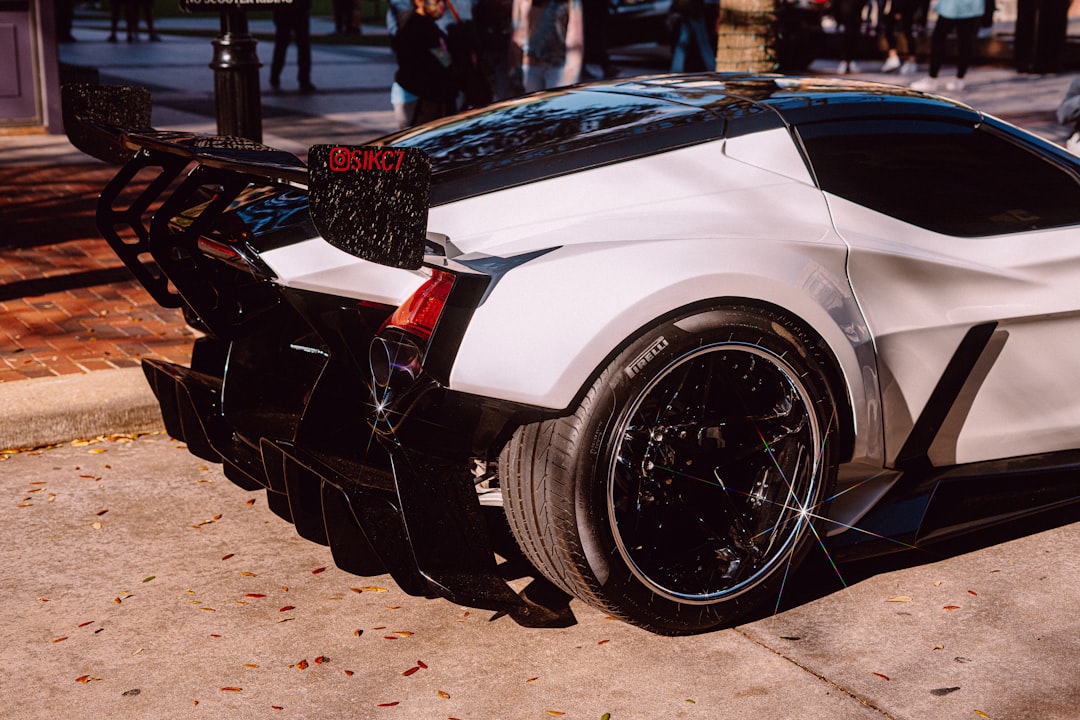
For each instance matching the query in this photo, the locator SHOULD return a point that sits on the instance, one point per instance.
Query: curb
(54, 410)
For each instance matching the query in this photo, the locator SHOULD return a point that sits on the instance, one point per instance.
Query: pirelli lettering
(646, 357)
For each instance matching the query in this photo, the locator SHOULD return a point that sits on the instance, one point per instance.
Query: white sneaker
(1073, 143)
(954, 85)
(909, 68)
(926, 84)
(891, 63)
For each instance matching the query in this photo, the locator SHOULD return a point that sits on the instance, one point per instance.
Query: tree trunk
(746, 41)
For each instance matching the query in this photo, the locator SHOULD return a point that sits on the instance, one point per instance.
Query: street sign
(224, 5)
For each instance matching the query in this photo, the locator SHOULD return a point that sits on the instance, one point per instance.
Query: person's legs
(302, 35)
(942, 28)
(282, 37)
(678, 53)
(708, 59)
(967, 29)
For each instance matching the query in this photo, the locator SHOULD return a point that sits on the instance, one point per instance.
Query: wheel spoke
(710, 482)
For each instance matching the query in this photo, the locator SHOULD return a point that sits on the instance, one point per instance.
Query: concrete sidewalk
(70, 314)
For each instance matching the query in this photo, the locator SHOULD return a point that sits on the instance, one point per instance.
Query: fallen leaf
(403, 633)
(372, 588)
(951, 607)
(883, 677)
(226, 557)
(287, 608)
(972, 592)
(349, 673)
(88, 622)
(85, 679)
(251, 501)
(980, 713)
(603, 642)
(254, 595)
(250, 665)
(148, 579)
(358, 632)
(60, 639)
(302, 665)
(899, 599)
(99, 513)
(245, 573)
(444, 695)
(231, 689)
(938, 646)
(421, 664)
(321, 659)
(532, 679)
(98, 450)
(411, 670)
(316, 571)
(276, 707)
(389, 704)
(605, 716)
(556, 713)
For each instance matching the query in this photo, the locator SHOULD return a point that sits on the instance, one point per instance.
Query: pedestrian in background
(962, 17)
(494, 24)
(146, 9)
(118, 9)
(900, 14)
(292, 23)
(595, 16)
(686, 20)
(346, 17)
(65, 19)
(848, 14)
(424, 88)
(1068, 113)
(550, 35)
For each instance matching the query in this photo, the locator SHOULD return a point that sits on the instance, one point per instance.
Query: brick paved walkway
(67, 303)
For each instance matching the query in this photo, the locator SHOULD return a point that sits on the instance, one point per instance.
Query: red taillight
(421, 311)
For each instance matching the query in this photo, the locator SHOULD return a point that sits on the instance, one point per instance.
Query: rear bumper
(397, 511)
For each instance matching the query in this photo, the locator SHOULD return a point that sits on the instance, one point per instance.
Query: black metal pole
(236, 78)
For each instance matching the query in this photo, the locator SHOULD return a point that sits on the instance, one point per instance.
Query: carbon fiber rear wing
(370, 201)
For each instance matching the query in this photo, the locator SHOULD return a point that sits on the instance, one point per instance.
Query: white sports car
(673, 331)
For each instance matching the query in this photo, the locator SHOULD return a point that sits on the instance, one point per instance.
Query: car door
(964, 256)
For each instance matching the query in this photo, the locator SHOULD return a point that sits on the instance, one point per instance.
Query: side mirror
(371, 201)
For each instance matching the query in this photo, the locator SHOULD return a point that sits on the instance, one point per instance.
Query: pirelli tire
(685, 486)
